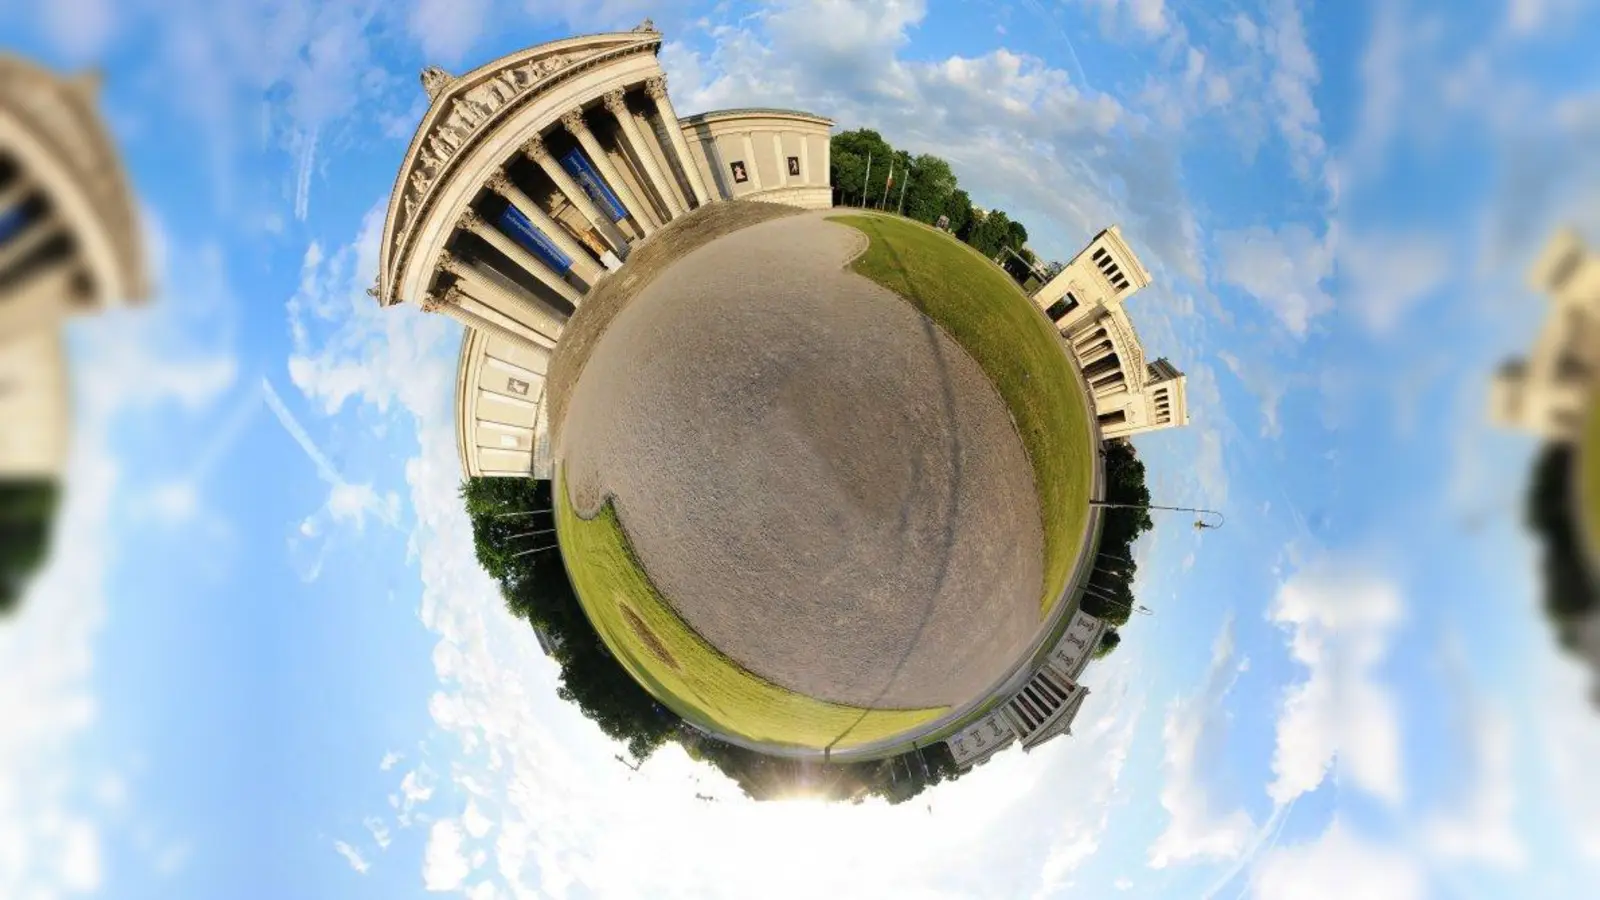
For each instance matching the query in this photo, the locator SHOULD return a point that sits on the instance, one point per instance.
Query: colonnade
(618, 211)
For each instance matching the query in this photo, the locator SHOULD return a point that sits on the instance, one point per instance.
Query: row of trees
(924, 189)
(27, 515)
(1109, 595)
(536, 589)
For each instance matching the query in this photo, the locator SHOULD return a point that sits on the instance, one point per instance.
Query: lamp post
(1200, 523)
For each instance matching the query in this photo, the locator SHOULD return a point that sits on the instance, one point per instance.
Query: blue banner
(514, 223)
(578, 166)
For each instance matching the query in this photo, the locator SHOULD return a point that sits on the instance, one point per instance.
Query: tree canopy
(27, 516)
(1569, 584)
(930, 190)
(1109, 595)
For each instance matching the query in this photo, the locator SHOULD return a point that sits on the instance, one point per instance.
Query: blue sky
(263, 662)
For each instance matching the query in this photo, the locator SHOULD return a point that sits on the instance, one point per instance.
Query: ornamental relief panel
(468, 113)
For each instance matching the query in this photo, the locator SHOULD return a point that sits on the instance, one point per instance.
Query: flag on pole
(865, 179)
(884, 202)
(901, 208)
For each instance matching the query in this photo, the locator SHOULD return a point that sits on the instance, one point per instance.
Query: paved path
(821, 482)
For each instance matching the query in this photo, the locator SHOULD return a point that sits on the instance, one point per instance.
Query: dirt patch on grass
(648, 637)
(648, 259)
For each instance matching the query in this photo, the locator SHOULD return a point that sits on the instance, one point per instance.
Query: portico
(529, 181)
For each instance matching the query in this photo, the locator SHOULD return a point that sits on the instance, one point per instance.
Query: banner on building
(515, 224)
(583, 172)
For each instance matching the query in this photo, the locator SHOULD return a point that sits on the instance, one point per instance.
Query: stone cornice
(469, 109)
(59, 113)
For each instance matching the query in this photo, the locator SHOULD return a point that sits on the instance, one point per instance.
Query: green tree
(1569, 584)
(848, 154)
(1110, 592)
(930, 188)
(27, 518)
(958, 207)
(1109, 640)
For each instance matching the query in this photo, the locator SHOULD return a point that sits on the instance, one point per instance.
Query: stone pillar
(618, 107)
(582, 262)
(25, 240)
(13, 192)
(514, 303)
(657, 89)
(573, 122)
(536, 151)
(752, 171)
(449, 303)
(778, 155)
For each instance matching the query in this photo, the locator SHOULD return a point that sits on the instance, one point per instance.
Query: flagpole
(886, 185)
(901, 208)
(865, 179)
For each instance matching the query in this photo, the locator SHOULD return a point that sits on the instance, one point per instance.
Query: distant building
(69, 246)
(1085, 301)
(1044, 708)
(1547, 392)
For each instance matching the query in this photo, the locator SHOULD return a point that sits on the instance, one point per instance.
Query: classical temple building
(1085, 301)
(69, 246)
(1547, 393)
(1044, 707)
(530, 180)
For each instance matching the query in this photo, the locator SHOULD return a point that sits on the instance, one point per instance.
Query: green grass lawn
(683, 670)
(982, 309)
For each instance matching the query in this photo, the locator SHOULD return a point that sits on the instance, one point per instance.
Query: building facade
(1085, 301)
(531, 179)
(1547, 392)
(69, 246)
(1046, 705)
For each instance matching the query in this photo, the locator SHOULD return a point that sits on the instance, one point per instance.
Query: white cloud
(1340, 622)
(1294, 77)
(1013, 128)
(389, 760)
(1385, 273)
(1338, 864)
(1194, 829)
(378, 830)
(444, 867)
(352, 856)
(475, 822)
(1569, 735)
(1123, 883)
(1281, 268)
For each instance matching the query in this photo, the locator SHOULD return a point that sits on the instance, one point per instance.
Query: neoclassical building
(69, 245)
(531, 179)
(1044, 708)
(1547, 392)
(1085, 301)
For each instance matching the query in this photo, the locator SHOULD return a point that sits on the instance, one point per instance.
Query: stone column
(25, 239)
(752, 171)
(449, 303)
(14, 192)
(582, 262)
(513, 302)
(778, 154)
(618, 107)
(657, 89)
(573, 122)
(536, 151)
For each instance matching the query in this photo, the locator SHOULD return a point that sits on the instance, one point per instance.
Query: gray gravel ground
(647, 260)
(817, 478)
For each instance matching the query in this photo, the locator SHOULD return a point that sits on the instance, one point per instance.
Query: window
(1059, 309)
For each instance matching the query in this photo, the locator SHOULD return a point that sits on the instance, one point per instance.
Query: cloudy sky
(264, 663)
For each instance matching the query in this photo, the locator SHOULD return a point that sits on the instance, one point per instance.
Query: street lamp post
(1200, 523)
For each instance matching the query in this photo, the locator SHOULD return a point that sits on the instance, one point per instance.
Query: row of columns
(474, 286)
